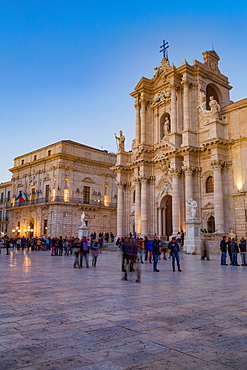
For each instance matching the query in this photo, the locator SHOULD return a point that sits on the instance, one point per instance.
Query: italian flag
(23, 197)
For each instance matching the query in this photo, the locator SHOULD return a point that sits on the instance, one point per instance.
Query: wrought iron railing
(59, 199)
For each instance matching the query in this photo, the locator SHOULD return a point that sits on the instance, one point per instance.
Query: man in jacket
(156, 244)
(223, 248)
(242, 247)
(174, 247)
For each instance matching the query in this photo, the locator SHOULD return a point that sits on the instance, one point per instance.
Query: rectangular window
(32, 195)
(47, 192)
(49, 153)
(45, 227)
(1, 198)
(66, 195)
(53, 195)
(0, 216)
(106, 200)
(7, 216)
(8, 196)
(35, 157)
(86, 194)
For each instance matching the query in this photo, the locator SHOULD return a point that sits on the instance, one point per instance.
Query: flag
(22, 197)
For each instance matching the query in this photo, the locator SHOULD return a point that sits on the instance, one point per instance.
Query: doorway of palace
(166, 217)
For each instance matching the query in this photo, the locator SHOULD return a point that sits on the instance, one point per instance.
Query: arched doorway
(211, 224)
(165, 217)
(168, 217)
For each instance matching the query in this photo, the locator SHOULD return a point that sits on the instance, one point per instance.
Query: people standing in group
(242, 248)
(131, 259)
(234, 251)
(223, 248)
(156, 244)
(174, 247)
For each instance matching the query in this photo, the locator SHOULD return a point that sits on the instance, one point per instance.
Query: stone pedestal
(192, 241)
(83, 232)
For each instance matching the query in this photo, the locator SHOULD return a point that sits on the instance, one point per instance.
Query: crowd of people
(233, 249)
(136, 251)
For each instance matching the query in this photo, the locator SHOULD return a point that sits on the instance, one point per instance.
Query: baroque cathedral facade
(190, 145)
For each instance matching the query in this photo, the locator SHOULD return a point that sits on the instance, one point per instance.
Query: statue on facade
(193, 207)
(167, 125)
(83, 223)
(214, 107)
(121, 140)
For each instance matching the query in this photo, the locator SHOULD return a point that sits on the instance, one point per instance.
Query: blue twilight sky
(67, 66)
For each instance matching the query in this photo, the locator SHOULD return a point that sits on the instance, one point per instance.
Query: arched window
(210, 184)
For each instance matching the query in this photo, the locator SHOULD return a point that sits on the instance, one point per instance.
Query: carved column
(157, 125)
(186, 106)
(188, 171)
(144, 215)
(120, 209)
(137, 106)
(137, 207)
(175, 173)
(143, 121)
(173, 109)
(160, 228)
(218, 197)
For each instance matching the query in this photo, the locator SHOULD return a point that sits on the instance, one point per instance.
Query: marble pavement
(53, 316)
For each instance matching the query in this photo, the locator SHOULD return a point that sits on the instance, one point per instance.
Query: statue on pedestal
(193, 207)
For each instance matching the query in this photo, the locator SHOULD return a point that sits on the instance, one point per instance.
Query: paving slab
(54, 316)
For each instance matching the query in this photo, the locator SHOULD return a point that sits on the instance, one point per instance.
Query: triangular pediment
(208, 206)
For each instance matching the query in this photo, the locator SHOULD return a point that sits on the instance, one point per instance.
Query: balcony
(62, 200)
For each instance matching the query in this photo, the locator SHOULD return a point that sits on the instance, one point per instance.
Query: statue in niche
(214, 107)
(121, 140)
(167, 125)
(193, 207)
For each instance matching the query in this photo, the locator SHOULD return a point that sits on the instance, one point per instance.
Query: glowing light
(66, 195)
(239, 184)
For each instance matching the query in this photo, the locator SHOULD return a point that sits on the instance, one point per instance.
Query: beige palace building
(62, 181)
(190, 145)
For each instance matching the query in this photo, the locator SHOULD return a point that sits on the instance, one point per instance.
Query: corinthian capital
(188, 170)
(175, 172)
(217, 164)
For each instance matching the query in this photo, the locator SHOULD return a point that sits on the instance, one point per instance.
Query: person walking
(174, 247)
(77, 253)
(223, 248)
(156, 244)
(242, 247)
(95, 251)
(84, 251)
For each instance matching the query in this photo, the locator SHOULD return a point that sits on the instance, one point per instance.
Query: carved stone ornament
(33, 178)
(161, 97)
(207, 116)
(166, 187)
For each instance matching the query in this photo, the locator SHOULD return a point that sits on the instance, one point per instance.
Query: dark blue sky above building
(67, 67)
